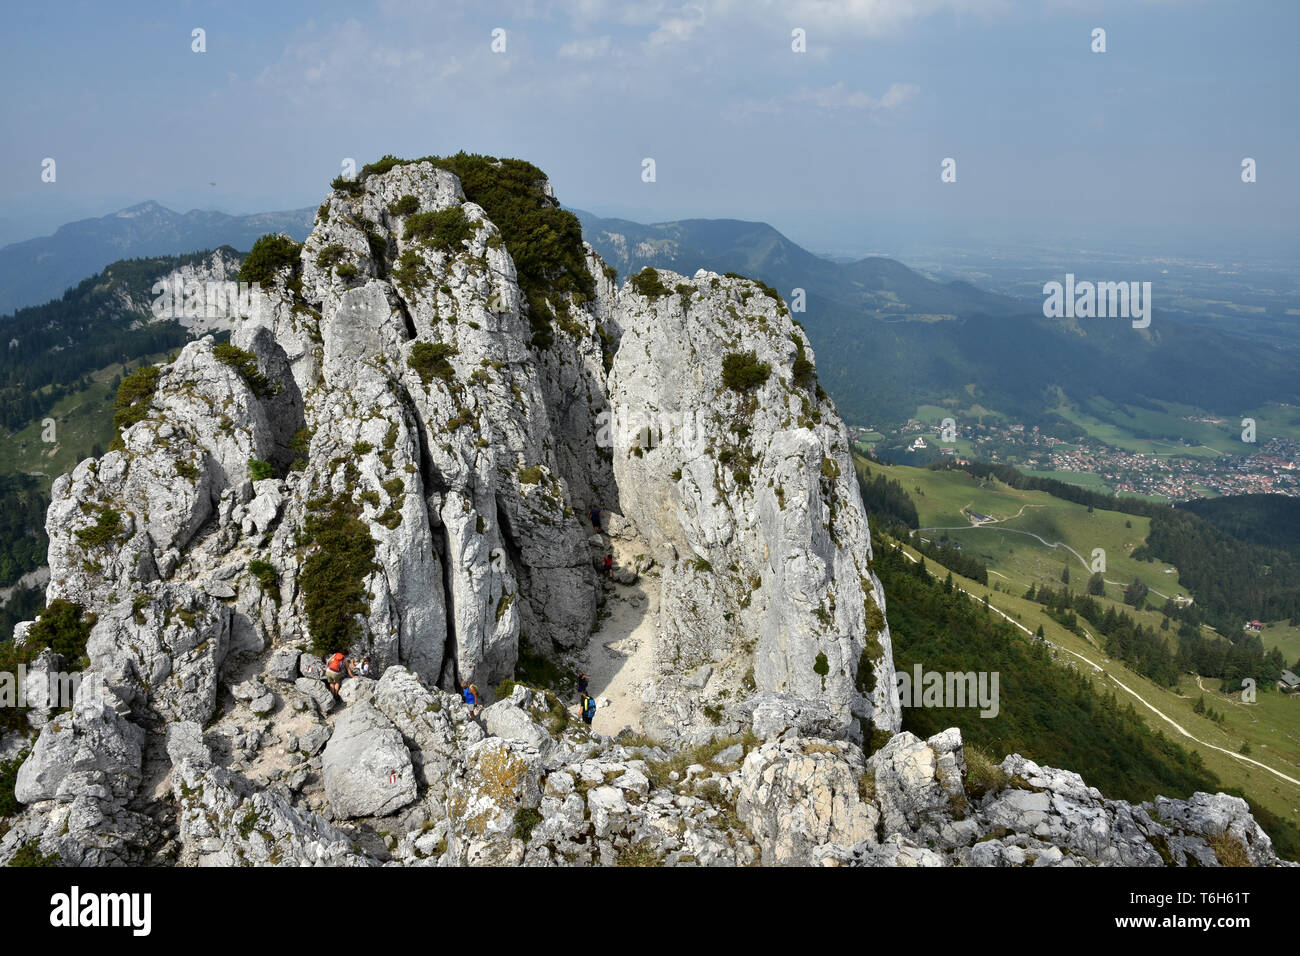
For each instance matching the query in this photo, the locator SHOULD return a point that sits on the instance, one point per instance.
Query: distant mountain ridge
(889, 339)
(35, 271)
(874, 283)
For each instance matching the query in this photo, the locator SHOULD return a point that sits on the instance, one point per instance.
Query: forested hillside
(102, 320)
(1269, 521)
(1047, 712)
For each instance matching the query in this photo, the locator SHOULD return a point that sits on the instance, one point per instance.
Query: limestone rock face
(497, 780)
(218, 409)
(424, 719)
(400, 379)
(92, 751)
(774, 714)
(503, 719)
(919, 787)
(192, 298)
(165, 650)
(224, 821)
(800, 794)
(317, 692)
(746, 476)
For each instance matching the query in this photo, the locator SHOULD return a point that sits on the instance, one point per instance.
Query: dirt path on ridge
(620, 656)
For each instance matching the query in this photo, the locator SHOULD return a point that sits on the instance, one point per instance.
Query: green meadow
(1269, 727)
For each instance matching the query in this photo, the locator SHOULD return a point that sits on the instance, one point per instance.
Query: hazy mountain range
(889, 338)
(35, 271)
(756, 249)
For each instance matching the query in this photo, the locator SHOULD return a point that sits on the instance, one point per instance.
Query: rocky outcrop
(223, 821)
(202, 296)
(93, 750)
(739, 477)
(164, 650)
(399, 377)
(799, 794)
(435, 428)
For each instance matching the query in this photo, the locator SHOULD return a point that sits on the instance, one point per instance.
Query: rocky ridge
(435, 434)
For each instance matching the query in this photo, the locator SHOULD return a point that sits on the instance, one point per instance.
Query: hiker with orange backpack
(334, 666)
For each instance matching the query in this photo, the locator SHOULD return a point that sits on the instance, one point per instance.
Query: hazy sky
(840, 146)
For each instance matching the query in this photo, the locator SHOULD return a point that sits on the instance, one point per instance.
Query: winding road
(1051, 544)
(1097, 667)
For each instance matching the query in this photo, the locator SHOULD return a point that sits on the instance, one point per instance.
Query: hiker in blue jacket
(470, 693)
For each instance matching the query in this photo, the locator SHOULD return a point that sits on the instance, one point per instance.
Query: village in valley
(1269, 467)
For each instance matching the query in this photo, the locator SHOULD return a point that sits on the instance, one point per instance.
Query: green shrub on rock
(340, 555)
(405, 206)
(742, 371)
(266, 576)
(269, 255)
(245, 364)
(134, 395)
(442, 228)
(429, 361)
(647, 283)
(106, 529)
(64, 627)
(544, 240)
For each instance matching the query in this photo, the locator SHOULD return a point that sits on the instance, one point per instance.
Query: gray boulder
(317, 692)
(424, 719)
(225, 821)
(504, 719)
(919, 788)
(314, 740)
(366, 766)
(283, 664)
(774, 714)
(165, 650)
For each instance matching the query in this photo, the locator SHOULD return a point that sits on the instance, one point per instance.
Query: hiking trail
(620, 655)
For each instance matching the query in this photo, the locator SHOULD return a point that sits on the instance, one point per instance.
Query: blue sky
(840, 147)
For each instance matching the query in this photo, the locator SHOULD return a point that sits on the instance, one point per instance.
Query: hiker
(609, 565)
(582, 682)
(365, 667)
(588, 709)
(595, 517)
(470, 693)
(334, 671)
